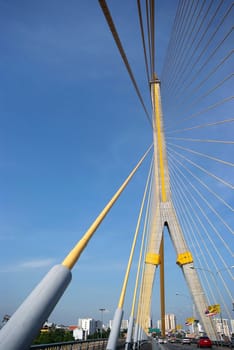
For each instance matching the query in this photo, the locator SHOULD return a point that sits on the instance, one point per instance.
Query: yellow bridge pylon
(164, 215)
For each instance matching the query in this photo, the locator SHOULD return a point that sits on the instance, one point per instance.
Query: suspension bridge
(188, 187)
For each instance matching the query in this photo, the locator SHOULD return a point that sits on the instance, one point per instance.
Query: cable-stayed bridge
(188, 195)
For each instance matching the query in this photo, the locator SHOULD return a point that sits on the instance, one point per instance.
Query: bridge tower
(164, 215)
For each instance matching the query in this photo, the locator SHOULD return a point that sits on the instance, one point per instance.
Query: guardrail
(92, 344)
(98, 344)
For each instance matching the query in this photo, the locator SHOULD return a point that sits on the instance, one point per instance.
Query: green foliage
(123, 333)
(54, 335)
(98, 335)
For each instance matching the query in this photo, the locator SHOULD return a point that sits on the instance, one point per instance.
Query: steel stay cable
(207, 93)
(152, 21)
(213, 71)
(115, 35)
(142, 241)
(214, 211)
(196, 49)
(218, 216)
(144, 288)
(194, 77)
(182, 186)
(149, 37)
(189, 57)
(201, 154)
(74, 254)
(178, 35)
(143, 39)
(143, 244)
(179, 184)
(186, 53)
(207, 233)
(205, 185)
(144, 247)
(207, 61)
(217, 104)
(179, 201)
(200, 140)
(207, 108)
(171, 44)
(214, 33)
(218, 85)
(217, 178)
(213, 123)
(201, 126)
(136, 234)
(184, 37)
(207, 219)
(207, 124)
(189, 218)
(180, 29)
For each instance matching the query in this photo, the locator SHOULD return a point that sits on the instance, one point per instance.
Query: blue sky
(72, 129)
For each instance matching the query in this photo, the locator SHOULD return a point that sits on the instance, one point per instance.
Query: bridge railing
(99, 344)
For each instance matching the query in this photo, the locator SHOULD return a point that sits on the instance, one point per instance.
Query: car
(172, 340)
(186, 341)
(162, 341)
(204, 342)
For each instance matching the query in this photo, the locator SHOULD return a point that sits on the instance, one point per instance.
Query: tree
(54, 335)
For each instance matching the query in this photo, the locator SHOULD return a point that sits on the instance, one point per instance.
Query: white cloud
(32, 264)
(27, 265)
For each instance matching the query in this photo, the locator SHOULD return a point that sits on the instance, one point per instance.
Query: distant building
(47, 326)
(79, 334)
(170, 322)
(88, 325)
(197, 328)
(124, 324)
(171, 325)
(222, 327)
(232, 326)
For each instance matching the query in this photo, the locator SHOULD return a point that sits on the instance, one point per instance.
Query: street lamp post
(102, 310)
(193, 309)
